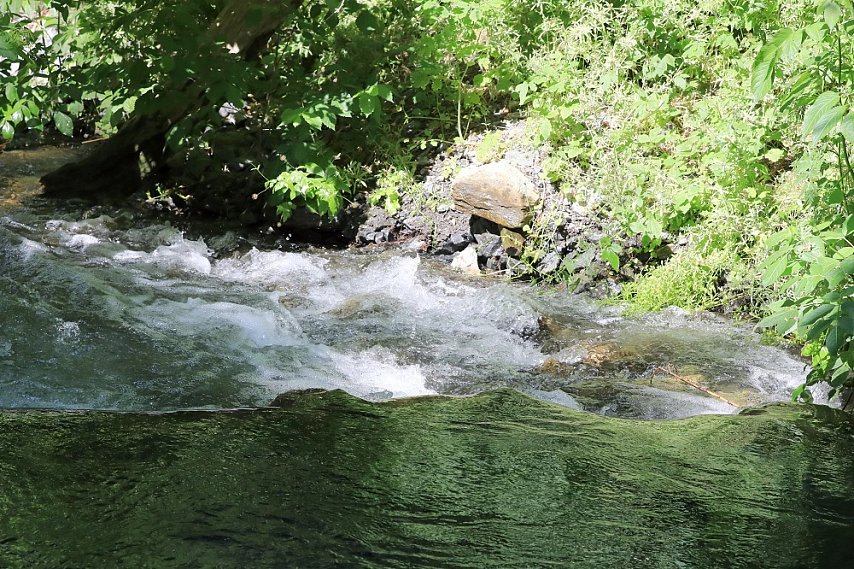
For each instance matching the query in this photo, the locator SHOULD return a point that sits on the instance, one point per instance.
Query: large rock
(498, 192)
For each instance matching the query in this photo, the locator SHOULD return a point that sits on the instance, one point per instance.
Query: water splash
(163, 309)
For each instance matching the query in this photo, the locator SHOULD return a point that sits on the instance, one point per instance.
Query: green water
(496, 480)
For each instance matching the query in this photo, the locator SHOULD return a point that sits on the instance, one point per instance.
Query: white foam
(184, 255)
(81, 241)
(67, 332)
(377, 370)
(29, 248)
(234, 325)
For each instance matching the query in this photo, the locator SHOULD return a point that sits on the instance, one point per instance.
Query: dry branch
(696, 385)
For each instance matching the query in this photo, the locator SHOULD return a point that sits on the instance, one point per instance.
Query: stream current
(103, 314)
(161, 334)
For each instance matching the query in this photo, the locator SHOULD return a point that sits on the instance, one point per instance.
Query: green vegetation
(716, 134)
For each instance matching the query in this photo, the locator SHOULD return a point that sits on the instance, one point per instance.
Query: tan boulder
(499, 192)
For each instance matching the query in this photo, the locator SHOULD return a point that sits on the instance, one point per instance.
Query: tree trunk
(116, 166)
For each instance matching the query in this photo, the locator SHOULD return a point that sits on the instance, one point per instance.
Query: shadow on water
(495, 480)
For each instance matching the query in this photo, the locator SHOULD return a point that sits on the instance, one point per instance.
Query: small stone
(459, 240)
(512, 242)
(466, 261)
(456, 242)
(662, 253)
(549, 264)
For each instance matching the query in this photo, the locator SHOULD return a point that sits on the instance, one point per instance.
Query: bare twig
(696, 385)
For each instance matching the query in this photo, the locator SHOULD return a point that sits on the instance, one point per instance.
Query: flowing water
(110, 311)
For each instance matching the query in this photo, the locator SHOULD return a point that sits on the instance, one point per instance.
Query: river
(465, 423)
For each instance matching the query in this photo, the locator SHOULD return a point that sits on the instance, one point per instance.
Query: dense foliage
(722, 125)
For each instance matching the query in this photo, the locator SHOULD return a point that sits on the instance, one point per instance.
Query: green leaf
(384, 92)
(367, 23)
(774, 155)
(791, 46)
(611, 258)
(847, 127)
(63, 123)
(840, 374)
(762, 73)
(816, 313)
(11, 92)
(291, 117)
(781, 319)
(312, 120)
(368, 104)
(129, 104)
(824, 114)
(774, 267)
(832, 13)
(835, 339)
(7, 131)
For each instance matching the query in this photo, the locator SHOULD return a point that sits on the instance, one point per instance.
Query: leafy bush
(817, 261)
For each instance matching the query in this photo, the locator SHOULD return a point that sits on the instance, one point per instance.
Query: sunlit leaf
(822, 116)
(832, 13)
(368, 104)
(63, 123)
(762, 74)
(7, 131)
(291, 117)
(11, 91)
(847, 127)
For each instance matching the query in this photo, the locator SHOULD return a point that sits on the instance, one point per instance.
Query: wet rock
(466, 261)
(499, 192)
(291, 398)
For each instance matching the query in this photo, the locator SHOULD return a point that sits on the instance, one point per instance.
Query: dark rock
(456, 242)
(479, 225)
(487, 244)
(663, 252)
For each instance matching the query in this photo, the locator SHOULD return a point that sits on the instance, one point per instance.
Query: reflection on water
(497, 480)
